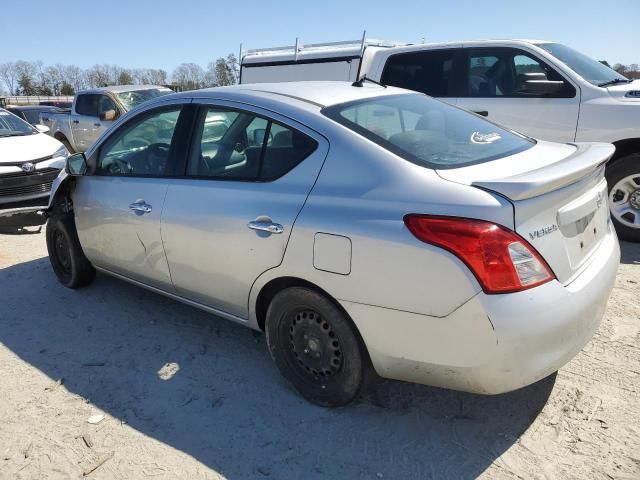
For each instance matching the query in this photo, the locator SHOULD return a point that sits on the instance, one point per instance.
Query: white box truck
(543, 89)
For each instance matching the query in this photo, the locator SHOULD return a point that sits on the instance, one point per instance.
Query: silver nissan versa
(364, 229)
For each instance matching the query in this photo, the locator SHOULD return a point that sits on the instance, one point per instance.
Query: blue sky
(163, 34)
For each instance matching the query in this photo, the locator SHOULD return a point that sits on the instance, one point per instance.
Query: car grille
(20, 183)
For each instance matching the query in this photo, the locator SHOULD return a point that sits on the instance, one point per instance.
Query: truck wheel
(65, 253)
(623, 178)
(315, 347)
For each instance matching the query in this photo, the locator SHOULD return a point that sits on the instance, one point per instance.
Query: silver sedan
(366, 230)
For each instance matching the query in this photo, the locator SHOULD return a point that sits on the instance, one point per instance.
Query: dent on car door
(118, 207)
(506, 86)
(228, 220)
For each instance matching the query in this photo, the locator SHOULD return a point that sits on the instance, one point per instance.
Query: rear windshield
(428, 132)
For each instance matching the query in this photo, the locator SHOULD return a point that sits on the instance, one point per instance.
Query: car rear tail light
(501, 260)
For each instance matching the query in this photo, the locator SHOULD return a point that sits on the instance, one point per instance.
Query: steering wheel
(155, 157)
(119, 166)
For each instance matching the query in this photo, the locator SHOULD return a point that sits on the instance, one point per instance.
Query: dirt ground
(187, 395)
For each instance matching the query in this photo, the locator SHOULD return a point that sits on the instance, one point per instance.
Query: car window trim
(512, 52)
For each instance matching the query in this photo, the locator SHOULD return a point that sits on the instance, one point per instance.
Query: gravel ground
(177, 393)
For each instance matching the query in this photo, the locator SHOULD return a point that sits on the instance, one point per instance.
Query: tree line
(36, 78)
(630, 71)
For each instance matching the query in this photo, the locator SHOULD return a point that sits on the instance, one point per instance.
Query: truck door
(495, 86)
(85, 121)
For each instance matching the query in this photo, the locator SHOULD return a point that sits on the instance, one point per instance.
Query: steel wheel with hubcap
(623, 178)
(316, 347)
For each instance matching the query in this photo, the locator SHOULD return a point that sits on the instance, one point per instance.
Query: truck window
(501, 72)
(428, 72)
(105, 104)
(87, 104)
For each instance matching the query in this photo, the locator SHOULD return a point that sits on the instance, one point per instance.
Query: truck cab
(93, 111)
(542, 89)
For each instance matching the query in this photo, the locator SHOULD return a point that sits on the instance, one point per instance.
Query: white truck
(93, 111)
(543, 89)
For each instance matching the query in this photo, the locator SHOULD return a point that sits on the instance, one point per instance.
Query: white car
(543, 89)
(29, 162)
(442, 249)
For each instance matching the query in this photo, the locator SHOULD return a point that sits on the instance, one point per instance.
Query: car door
(229, 219)
(118, 207)
(85, 121)
(495, 87)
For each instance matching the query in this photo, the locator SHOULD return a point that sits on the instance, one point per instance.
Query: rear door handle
(140, 207)
(265, 226)
(96, 124)
(76, 121)
(483, 113)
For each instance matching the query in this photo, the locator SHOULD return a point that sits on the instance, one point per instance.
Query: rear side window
(428, 132)
(87, 105)
(429, 72)
(238, 145)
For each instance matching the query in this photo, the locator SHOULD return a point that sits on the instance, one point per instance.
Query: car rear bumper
(493, 343)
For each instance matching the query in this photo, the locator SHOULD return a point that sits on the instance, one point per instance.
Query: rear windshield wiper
(615, 81)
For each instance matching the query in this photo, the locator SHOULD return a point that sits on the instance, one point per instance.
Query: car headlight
(61, 152)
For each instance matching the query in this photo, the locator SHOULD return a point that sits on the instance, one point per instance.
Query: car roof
(316, 93)
(121, 88)
(31, 107)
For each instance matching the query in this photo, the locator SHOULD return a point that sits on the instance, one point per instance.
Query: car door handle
(96, 124)
(76, 121)
(482, 113)
(141, 207)
(265, 226)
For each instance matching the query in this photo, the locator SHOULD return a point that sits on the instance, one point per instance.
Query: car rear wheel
(65, 253)
(316, 347)
(623, 178)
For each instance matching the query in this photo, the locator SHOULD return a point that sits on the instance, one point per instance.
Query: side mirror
(41, 128)
(76, 165)
(541, 87)
(108, 116)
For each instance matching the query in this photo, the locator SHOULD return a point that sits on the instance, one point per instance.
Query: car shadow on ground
(630, 253)
(226, 405)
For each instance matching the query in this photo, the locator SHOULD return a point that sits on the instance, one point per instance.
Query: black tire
(316, 347)
(619, 170)
(65, 253)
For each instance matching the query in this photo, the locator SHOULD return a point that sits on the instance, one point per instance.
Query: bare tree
(9, 76)
(189, 76)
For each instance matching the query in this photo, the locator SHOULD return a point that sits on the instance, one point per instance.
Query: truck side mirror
(76, 165)
(108, 115)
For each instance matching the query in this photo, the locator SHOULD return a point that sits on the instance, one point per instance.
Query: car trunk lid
(559, 197)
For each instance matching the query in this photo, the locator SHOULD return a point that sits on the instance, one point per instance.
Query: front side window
(428, 132)
(428, 72)
(141, 146)
(12, 126)
(105, 104)
(87, 104)
(507, 72)
(238, 145)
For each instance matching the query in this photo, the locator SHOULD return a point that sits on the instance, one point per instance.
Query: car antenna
(364, 78)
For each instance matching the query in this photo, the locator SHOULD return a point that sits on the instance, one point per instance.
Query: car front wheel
(65, 253)
(316, 347)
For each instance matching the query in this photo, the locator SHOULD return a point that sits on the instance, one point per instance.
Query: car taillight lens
(501, 260)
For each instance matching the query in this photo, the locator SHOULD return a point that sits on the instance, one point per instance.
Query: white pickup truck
(543, 89)
(93, 111)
